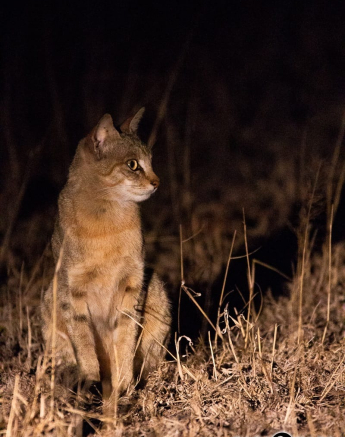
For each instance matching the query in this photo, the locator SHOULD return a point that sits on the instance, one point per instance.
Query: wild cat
(103, 295)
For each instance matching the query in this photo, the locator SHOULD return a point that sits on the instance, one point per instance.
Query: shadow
(278, 251)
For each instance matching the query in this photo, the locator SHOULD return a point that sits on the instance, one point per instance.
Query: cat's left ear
(97, 138)
(132, 123)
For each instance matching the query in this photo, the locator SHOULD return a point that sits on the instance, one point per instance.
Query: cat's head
(117, 162)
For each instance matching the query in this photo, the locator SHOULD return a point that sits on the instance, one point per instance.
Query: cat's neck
(99, 214)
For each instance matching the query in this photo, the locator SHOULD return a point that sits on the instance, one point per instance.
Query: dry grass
(279, 370)
(276, 365)
(268, 368)
(260, 369)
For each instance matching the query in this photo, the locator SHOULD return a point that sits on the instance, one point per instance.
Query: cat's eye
(133, 164)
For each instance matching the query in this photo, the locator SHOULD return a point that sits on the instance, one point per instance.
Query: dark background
(254, 94)
(273, 63)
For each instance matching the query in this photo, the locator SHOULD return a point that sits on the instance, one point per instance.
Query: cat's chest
(100, 248)
(101, 265)
(104, 237)
(108, 252)
(102, 271)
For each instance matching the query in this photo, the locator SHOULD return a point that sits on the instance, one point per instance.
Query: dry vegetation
(276, 366)
(246, 129)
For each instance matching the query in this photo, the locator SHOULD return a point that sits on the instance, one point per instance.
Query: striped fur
(101, 291)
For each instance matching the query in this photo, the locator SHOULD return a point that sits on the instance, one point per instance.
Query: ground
(279, 367)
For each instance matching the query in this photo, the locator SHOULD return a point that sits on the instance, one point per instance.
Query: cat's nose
(155, 183)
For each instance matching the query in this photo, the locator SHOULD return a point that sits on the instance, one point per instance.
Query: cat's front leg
(125, 334)
(79, 327)
(74, 339)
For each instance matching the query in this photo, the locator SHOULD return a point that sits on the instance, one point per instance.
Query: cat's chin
(141, 197)
(132, 196)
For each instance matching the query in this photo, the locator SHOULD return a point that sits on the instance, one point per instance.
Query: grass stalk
(212, 355)
(228, 330)
(274, 345)
(11, 420)
(218, 330)
(182, 283)
(292, 394)
(329, 284)
(189, 294)
(304, 260)
(250, 277)
(29, 357)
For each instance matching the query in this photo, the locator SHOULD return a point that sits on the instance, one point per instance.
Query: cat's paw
(89, 392)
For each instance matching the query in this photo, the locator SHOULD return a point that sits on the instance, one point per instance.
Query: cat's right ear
(97, 137)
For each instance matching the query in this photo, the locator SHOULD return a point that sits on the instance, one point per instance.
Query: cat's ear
(132, 123)
(97, 137)
(152, 139)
